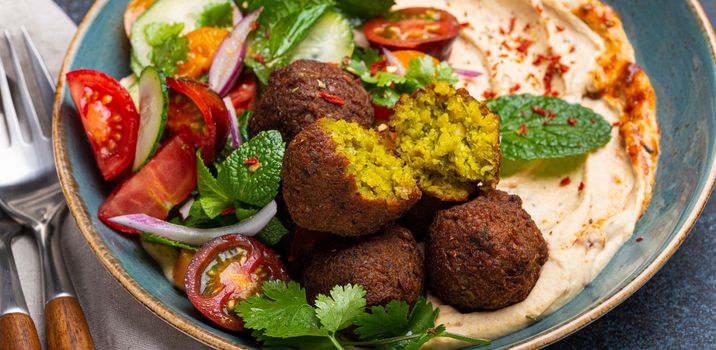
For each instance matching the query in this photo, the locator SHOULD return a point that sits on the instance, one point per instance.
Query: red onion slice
(196, 236)
(233, 123)
(229, 58)
(236, 13)
(393, 61)
(466, 73)
(185, 208)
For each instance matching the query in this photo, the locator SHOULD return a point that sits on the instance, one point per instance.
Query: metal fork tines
(30, 191)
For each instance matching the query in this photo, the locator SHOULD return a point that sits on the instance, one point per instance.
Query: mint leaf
(254, 185)
(150, 237)
(213, 197)
(338, 311)
(168, 47)
(539, 127)
(272, 233)
(243, 213)
(280, 312)
(217, 15)
(365, 9)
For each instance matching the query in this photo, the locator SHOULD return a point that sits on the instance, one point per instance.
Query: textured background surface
(676, 309)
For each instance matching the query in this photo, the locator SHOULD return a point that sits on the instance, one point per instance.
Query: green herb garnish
(272, 233)
(150, 237)
(282, 317)
(217, 15)
(540, 127)
(365, 9)
(168, 46)
(386, 88)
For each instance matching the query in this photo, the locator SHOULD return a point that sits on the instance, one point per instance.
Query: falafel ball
(388, 265)
(450, 139)
(305, 91)
(485, 254)
(341, 178)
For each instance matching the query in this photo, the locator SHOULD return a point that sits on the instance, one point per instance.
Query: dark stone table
(675, 310)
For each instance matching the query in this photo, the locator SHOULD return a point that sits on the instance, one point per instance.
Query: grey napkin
(116, 319)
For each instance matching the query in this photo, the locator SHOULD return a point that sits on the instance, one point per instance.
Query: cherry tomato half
(198, 113)
(164, 182)
(243, 96)
(226, 271)
(424, 29)
(109, 117)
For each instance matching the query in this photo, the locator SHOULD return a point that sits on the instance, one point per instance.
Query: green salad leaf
(272, 233)
(540, 127)
(385, 87)
(150, 237)
(281, 317)
(217, 15)
(365, 9)
(168, 46)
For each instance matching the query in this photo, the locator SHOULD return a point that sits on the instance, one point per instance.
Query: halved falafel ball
(451, 140)
(341, 178)
(388, 265)
(305, 91)
(485, 254)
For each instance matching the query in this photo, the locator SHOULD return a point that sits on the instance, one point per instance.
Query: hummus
(586, 206)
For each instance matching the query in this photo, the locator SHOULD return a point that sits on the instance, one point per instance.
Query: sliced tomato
(226, 271)
(243, 97)
(424, 29)
(198, 113)
(109, 117)
(167, 180)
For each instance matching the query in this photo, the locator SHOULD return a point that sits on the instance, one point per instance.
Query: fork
(31, 195)
(17, 331)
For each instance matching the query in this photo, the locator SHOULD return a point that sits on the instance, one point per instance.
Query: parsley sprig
(385, 87)
(282, 317)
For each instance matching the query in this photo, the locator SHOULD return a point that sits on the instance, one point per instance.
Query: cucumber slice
(153, 101)
(330, 40)
(187, 12)
(130, 83)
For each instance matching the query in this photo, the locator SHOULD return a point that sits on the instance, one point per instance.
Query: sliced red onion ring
(196, 236)
(466, 73)
(233, 123)
(229, 58)
(236, 13)
(185, 208)
(393, 61)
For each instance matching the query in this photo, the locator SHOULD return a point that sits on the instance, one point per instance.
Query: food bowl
(674, 44)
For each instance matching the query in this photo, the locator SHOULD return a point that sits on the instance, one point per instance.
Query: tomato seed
(106, 99)
(117, 136)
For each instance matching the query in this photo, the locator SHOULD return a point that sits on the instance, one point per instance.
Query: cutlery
(17, 331)
(31, 195)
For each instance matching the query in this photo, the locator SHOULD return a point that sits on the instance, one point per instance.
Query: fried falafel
(485, 254)
(341, 178)
(388, 265)
(451, 140)
(305, 91)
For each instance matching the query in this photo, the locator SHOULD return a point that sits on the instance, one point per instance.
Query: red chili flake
(251, 161)
(559, 28)
(228, 211)
(260, 58)
(523, 114)
(527, 27)
(616, 124)
(564, 68)
(377, 66)
(639, 239)
(515, 88)
(489, 94)
(465, 25)
(551, 114)
(348, 79)
(539, 8)
(522, 131)
(545, 123)
(346, 60)
(539, 110)
(513, 20)
(555, 93)
(581, 185)
(572, 49)
(565, 182)
(571, 121)
(524, 45)
(504, 44)
(503, 31)
(332, 98)
(592, 120)
(254, 25)
(539, 59)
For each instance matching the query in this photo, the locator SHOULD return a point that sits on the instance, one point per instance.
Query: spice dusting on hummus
(585, 206)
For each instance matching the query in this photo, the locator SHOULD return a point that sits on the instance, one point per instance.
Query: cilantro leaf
(254, 186)
(150, 237)
(168, 46)
(280, 312)
(539, 127)
(365, 9)
(298, 343)
(243, 213)
(383, 322)
(338, 311)
(272, 233)
(217, 15)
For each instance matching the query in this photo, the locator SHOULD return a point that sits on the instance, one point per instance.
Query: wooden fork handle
(17, 332)
(65, 325)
